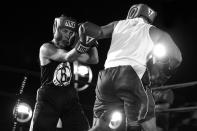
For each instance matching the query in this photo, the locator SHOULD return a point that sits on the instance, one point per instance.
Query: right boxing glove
(85, 41)
(92, 29)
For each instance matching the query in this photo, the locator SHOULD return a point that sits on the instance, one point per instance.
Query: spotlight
(83, 76)
(82, 70)
(116, 120)
(22, 112)
(159, 51)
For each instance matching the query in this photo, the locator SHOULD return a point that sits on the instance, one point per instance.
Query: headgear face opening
(62, 23)
(142, 10)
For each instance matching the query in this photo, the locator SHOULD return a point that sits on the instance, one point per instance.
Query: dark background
(26, 25)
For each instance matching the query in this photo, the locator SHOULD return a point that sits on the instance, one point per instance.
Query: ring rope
(181, 109)
(175, 86)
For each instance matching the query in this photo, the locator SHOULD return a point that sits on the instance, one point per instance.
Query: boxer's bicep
(173, 51)
(107, 30)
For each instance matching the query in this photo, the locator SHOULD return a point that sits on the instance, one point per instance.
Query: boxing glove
(92, 29)
(85, 42)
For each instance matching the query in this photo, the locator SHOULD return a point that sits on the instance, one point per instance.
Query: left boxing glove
(85, 41)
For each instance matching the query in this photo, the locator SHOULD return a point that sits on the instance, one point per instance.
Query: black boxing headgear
(142, 10)
(65, 22)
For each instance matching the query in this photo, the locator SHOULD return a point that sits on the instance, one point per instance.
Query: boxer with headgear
(121, 85)
(57, 97)
(65, 29)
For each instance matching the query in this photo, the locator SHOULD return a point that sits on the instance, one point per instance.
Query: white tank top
(130, 45)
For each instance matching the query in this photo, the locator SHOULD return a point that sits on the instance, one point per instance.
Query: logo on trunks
(70, 24)
(62, 75)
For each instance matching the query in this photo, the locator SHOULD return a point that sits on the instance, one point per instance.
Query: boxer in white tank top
(128, 47)
(120, 85)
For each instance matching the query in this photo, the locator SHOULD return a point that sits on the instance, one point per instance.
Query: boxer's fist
(85, 41)
(85, 37)
(91, 29)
